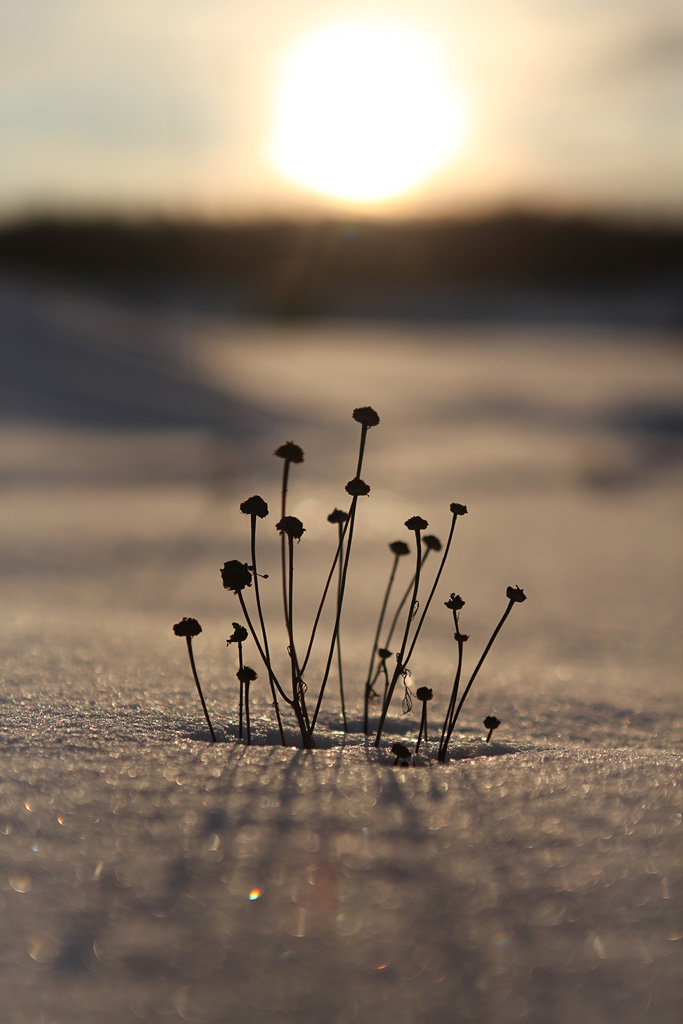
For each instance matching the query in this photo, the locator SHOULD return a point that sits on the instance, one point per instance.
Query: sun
(366, 110)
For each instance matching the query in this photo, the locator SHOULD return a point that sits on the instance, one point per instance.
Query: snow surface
(146, 875)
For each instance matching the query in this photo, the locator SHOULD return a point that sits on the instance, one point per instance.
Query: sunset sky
(395, 106)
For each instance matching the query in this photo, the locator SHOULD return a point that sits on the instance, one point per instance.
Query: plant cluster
(389, 657)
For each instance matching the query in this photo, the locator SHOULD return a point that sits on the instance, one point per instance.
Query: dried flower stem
(340, 528)
(199, 689)
(406, 595)
(340, 598)
(512, 601)
(448, 722)
(369, 682)
(456, 509)
(400, 667)
(326, 588)
(239, 676)
(263, 633)
(423, 727)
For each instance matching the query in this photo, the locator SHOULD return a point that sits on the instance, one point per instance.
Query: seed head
(491, 722)
(338, 516)
(236, 576)
(515, 594)
(357, 487)
(399, 547)
(424, 693)
(401, 752)
(254, 506)
(292, 526)
(458, 510)
(246, 674)
(384, 653)
(416, 523)
(239, 634)
(431, 542)
(366, 415)
(290, 452)
(187, 627)
(455, 602)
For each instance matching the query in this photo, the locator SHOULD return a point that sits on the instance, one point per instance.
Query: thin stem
(478, 666)
(246, 701)
(297, 681)
(375, 642)
(443, 743)
(394, 621)
(199, 689)
(434, 586)
(400, 667)
(263, 629)
(239, 676)
(339, 653)
(423, 727)
(323, 599)
(285, 478)
(350, 523)
(251, 629)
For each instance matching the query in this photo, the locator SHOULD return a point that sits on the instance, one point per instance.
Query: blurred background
(224, 224)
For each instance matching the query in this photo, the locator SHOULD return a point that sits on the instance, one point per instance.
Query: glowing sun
(365, 110)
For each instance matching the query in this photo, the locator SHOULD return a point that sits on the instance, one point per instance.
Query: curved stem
(199, 689)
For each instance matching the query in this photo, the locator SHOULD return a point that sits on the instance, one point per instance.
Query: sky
(170, 107)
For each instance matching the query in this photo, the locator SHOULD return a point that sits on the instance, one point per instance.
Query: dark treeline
(296, 265)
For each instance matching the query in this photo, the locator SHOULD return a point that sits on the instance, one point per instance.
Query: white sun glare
(365, 110)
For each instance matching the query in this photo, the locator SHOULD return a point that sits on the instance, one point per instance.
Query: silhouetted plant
(256, 508)
(515, 595)
(424, 694)
(339, 517)
(246, 676)
(491, 723)
(238, 577)
(239, 635)
(402, 754)
(190, 628)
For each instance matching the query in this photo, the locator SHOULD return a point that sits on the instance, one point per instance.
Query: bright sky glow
(366, 110)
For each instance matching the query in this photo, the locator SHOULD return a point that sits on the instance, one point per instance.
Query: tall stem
(263, 630)
(239, 676)
(478, 666)
(350, 523)
(409, 588)
(339, 653)
(382, 613)
(399, 661)
(323, 599)
(199, 689)
(434, 586)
